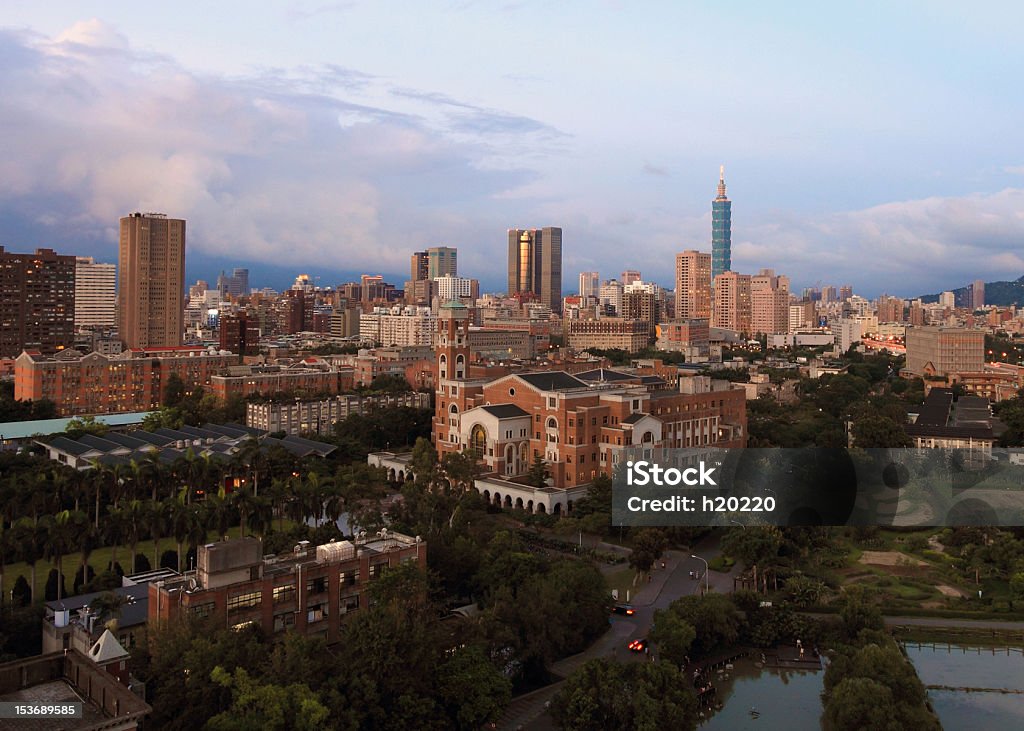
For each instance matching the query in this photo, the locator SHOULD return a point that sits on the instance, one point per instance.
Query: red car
(638, 645)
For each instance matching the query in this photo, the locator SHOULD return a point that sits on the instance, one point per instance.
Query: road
(666, 585)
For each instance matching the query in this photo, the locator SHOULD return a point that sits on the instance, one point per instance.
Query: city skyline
(350, 159)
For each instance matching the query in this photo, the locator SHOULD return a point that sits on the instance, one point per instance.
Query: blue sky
(871, 143)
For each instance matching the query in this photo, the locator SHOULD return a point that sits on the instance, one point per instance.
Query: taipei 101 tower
(721, 230)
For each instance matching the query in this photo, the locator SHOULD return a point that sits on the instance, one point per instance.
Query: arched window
(460, 366)
(552, 423)
(478, 438)
(453, 409)
(442, 364)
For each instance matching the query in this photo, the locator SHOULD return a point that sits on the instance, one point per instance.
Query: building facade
(936, 350)
(608, 333)
(403, 326)
(721, 230)
(37, 302)
(732, 302)
(535, 264)
(151, 270)
(129, 382)
(309, 590)
(693, 285)
(319, 416)
(95, 294)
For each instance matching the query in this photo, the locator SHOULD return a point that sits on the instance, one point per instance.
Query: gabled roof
(551, 380)
(605, 375)
(70, 446)
(634, 418)
(504, 411)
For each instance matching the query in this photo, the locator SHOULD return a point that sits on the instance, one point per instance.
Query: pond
(963, 666)
(783, 699)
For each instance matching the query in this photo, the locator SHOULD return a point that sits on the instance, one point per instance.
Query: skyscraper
(732, 302)
(693, 285)
(442, 261)
(978, 294)
(235, 285)
(721, 230)
(631, 275)
(535, 264)
(37, 302)
(590, 285)
(95, 293)
(152, 280)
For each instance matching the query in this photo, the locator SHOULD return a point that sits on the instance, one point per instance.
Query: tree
(633, 696)
(879, 431)
(107, 608)
(673, 635)
(293, 707)
(860, 703)
(648, 546)
(754, 545)
(82, 425)
(715, 619)
(857, 613)
(174, 391)
(537, 475)
(471, 689)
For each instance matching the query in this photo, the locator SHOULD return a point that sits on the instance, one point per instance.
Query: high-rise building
(948, 300)
(239, 333)
(535, 264)
(802, 316)
(152, 280)
(450, 287)
(437, 261)
(978, 294)
(610, 296)
(641, 301)
(442, 261)
(235, 285)
(845, 292)
(590, 285)
(419, 267)
(890, 309)
(732, 307)
(693, 285)
(95, 294)
(629, 276)
(721, 230)
(769, 308)
(37, 302)
(829, 294)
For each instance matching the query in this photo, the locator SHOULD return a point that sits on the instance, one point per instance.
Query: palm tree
(246, 503)
(87, 543)
(29, 537)
(317, 489)
(114, 531)
(61, 530)
(250, 459)
(218, 512)
(135, 517)
(157, 518)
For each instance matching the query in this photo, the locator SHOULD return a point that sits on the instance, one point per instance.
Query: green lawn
(622, 579)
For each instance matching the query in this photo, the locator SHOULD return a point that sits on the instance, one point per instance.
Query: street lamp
(707, 587)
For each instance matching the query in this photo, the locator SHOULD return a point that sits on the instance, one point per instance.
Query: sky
(876, 144)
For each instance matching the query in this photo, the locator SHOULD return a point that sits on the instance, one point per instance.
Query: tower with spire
(721, 230)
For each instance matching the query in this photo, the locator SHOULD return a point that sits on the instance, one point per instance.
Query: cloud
(1014, 169)
(309, 166)
(655, 170)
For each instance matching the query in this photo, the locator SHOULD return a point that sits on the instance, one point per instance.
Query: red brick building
(579, 424)
(310, 590)
(128, 382)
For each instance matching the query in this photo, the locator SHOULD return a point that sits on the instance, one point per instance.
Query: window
(284, 593)
(478, 438)
(377, 569)
(317, 585)
(552, 402)
(284, 621)
(201, 610)
(604, 420)
(348, 604)
(350, 577)
(244, 601)
(571, 422)
(317, 613)
(593, 421)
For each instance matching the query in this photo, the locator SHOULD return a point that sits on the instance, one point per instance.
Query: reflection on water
(783, 699)
(967, 667)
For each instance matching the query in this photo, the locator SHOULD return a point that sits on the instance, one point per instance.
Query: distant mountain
(1001, 294)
